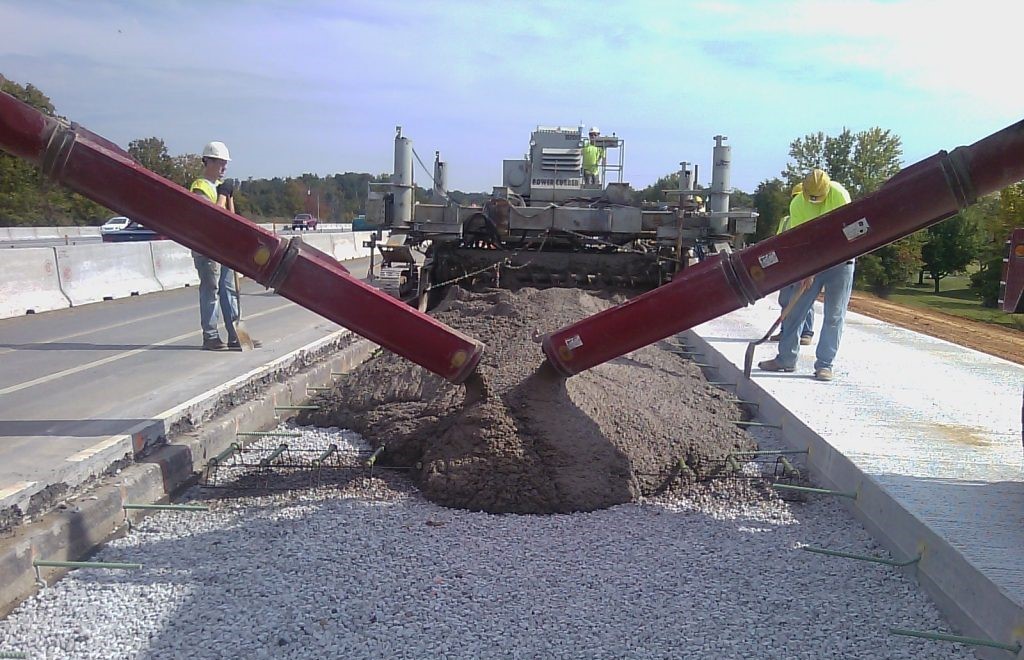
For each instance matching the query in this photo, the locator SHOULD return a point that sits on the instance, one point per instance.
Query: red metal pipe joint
(919, 196)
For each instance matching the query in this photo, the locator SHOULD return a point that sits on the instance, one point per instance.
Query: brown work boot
(805, 340)
(775, 365)
(214, 345)
(823, 373)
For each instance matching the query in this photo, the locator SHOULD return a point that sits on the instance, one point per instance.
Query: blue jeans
(785, 295)
(837, 283)
(216, 295)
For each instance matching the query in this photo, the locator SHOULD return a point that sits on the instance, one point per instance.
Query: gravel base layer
(367, 568)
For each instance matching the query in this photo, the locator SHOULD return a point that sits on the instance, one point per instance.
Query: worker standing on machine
(593, 156)
(820, 196)
(216, 283)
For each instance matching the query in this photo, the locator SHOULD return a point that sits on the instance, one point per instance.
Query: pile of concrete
(539, 444)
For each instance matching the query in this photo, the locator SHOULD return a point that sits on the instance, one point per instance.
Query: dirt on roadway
(539, 443)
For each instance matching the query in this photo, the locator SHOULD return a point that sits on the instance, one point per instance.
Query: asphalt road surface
(75, 377)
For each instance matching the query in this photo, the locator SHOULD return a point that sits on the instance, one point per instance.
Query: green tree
(997, 216)
(25, 197)
(861, 162)
(771, 199)
(949, 247)
(891, 265)
(152, 154)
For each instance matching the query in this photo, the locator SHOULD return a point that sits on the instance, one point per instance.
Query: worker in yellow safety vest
(820, 195)
(217, 295)
(593, 156)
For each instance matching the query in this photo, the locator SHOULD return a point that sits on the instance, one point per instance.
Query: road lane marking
(56, 340)
(98, 447)
(15, 489)
(120, 356)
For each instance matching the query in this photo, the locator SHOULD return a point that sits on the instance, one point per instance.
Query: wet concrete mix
(538, 444)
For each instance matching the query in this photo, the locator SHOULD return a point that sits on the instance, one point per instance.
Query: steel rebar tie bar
(270, 434)
(167, 507)
(819, 491)
(764, 424)
(850, 555)
(721, 383)
(769, 452)
(296, 407)
(13, 654)
(942, 637)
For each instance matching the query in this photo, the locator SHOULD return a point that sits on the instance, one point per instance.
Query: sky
(319, 86)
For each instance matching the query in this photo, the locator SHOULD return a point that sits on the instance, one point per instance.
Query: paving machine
(546, 226)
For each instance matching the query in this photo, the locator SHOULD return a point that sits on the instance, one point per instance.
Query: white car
(116, 223)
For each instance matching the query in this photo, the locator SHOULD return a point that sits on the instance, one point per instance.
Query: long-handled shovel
(748, 357)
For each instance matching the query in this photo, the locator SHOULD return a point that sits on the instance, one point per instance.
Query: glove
(226, 188)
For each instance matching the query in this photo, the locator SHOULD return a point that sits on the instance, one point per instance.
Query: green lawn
(953, 298)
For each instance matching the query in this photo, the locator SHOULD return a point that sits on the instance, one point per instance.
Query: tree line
(861, 161)
(26, 199)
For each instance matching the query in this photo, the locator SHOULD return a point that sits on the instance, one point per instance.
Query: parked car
(117, 223)
(132, 232)
(304, 221)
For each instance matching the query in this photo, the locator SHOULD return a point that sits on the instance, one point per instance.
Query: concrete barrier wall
(173, 265)
(90, 273)
(29, 283)
(39, 279)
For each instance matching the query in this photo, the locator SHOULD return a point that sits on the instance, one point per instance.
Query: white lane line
(176, 412)
(120, 356)
(55, 340)
(15, 489)
(98, 447)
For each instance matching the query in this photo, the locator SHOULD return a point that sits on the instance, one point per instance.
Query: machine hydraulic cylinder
(919, 196)
(106, 174)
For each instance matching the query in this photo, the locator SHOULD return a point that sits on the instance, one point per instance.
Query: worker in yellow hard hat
(786, 292)
(819, 196)
(593, 155)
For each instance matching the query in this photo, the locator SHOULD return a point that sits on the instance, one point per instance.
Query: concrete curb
(91, 518)
(969, 600)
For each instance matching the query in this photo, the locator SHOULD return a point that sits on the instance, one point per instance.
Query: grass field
(953, 298)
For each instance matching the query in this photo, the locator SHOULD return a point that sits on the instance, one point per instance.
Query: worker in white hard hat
(593, 156)
(217, 294)
(820, 195)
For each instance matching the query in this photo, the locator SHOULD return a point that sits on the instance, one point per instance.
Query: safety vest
(801, 210)
(592, 155)
(206, 187)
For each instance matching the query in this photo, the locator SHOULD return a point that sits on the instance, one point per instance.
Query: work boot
(805, 340)
(234, 345)
(776, 337)
(775, 365)
(214, 345)
(823, 373)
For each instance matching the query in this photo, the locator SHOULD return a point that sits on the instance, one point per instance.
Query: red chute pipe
(104, 173)
(919, 196)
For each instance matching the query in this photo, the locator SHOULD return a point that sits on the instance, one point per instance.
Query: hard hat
(216, 150)
(594, 129)
(797, 189)
(698, 199)
(816, 185)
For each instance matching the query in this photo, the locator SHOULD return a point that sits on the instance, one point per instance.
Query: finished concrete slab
(927, 433)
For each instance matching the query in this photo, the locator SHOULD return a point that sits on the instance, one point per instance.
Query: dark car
(133, 232)
(304, 221)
